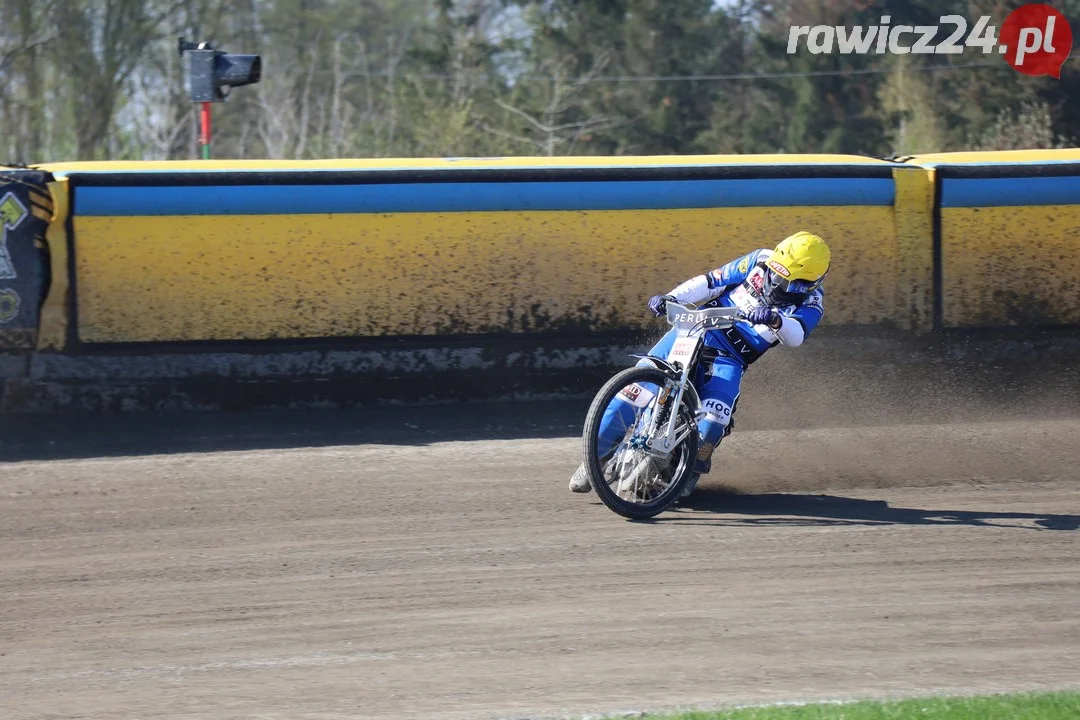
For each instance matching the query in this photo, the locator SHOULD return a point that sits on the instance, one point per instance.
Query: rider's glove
(658, 304)
(764, 316)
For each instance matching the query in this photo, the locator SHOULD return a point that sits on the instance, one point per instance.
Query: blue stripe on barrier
(480, 196)
(1003, 192)
(993, 163)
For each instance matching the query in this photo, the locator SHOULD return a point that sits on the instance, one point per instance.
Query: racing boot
(579, 482)
(638, 480)
(702, 465)
(686, 491)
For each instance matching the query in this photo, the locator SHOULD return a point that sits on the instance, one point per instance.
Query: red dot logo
(1036, 40)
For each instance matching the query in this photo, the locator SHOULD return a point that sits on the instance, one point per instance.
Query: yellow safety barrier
(167, 252)
(291, 250)
(1008, 237)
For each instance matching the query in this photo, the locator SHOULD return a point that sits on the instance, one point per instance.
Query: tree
(28, 36)
(910, 111)
(1027, 126)
(90, 79)
(103, 42)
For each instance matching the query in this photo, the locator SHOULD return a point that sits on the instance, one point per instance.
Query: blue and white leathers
(737, 284)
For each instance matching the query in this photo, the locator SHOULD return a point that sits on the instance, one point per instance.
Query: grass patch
(1028, 706)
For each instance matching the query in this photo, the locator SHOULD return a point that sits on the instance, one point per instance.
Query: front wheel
(629, 479)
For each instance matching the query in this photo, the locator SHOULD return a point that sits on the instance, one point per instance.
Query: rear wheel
(629, 478)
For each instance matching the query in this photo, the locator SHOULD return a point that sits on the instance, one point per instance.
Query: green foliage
(1036, 706)
(1026, 127)
(909, 108)
(93, 79)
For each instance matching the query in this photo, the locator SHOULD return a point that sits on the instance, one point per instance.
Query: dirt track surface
(328, 566)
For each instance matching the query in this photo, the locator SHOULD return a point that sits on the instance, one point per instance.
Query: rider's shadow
(778, 509)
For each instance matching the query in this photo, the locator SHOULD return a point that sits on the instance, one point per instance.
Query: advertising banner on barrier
(25, 210)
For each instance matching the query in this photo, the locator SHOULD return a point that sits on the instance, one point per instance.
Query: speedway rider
(779, 291)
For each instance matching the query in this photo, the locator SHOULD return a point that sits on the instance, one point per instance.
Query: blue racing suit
(727, 353)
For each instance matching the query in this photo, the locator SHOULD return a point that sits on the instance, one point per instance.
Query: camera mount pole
(204, 135)
(211, 74)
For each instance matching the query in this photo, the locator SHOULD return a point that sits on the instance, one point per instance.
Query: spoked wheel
(629, 478)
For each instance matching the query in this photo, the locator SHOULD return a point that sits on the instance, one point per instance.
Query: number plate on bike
(682, 351)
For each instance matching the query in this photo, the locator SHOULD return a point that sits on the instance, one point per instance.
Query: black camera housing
(213, 73)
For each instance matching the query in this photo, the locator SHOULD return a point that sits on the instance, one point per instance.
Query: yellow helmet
(796, 267)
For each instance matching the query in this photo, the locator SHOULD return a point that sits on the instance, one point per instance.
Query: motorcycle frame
(679, 380)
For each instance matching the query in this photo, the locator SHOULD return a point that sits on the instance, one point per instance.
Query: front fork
(662, 445)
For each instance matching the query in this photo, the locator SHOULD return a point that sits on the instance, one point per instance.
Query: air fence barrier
(230, 284)
(1006, 238)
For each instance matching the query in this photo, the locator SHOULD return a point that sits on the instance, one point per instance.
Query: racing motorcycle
(645, 473)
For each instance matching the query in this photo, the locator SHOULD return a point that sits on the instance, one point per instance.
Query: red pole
(204, 138)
